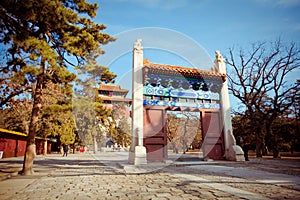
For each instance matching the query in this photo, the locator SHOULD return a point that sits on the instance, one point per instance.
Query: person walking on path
(66, 149)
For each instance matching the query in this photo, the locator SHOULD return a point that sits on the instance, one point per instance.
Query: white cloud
(297, 27)
(284, 3)
(165, 4)
(113, 29)
(169, 41)
(158, 4)
(287, 3)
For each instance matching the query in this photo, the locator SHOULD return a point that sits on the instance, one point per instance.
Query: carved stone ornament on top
(220, 62)
(219, 56)
(138, 45)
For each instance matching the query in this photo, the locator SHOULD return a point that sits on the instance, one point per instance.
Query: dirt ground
(285, 165)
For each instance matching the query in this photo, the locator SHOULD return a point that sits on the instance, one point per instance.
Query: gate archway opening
(184, 132)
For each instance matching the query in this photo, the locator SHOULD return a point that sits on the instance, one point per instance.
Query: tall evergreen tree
(122, 133)
(93, 121)
(17, 116)
(57, 119)
(42, 39)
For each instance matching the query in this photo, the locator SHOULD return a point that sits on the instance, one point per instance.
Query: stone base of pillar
(138, 156)
(235, 153)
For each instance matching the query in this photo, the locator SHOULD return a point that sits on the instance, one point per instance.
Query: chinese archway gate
(177, 88)
(163, 87)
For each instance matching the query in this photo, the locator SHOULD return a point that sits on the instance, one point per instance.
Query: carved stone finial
(219, 57)
(138, 44)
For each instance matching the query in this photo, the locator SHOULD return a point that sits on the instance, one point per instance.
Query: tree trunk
(258, 148)
(30, 152)
(45, 147)
(25, 125)
(260, 134)
(275, 148)
(258, 151)
(184, 146)
(274, 139)
(95, 144)
(28, 159)
(276, 152)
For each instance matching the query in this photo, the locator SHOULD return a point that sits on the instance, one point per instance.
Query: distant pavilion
(114, 94)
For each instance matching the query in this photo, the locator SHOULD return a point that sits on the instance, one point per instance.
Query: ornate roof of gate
(182, 70)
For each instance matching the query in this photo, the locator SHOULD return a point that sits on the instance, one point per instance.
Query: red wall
(12, 147)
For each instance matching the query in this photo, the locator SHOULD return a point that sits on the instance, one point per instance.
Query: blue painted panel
(182, 104)
(181, 93)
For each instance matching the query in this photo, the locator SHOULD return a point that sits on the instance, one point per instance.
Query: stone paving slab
(104, 176)
(221, 188)
(251, 174)
(242, 184)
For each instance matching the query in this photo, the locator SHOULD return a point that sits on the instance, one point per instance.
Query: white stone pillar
(232, 151)
(137, 154)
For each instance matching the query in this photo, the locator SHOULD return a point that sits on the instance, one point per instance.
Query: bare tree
(172, 130)
(258, 79)
(182, 129)
(295, 109)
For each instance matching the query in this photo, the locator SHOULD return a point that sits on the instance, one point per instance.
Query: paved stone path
(108, 176)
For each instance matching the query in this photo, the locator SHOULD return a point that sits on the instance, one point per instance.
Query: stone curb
(7, 174)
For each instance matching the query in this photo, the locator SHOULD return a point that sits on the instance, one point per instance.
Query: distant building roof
(107, 98)
(117, 88)
(114, 97)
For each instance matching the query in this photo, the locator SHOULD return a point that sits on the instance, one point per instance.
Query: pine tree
(93, 121)
(17, 116)
(122, 132)
(42, 39)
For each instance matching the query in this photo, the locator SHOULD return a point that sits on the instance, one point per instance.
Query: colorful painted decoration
(182, 104)
(170, 92)
(178, 90)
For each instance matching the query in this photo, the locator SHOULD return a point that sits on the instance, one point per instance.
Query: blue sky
(210, 24)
